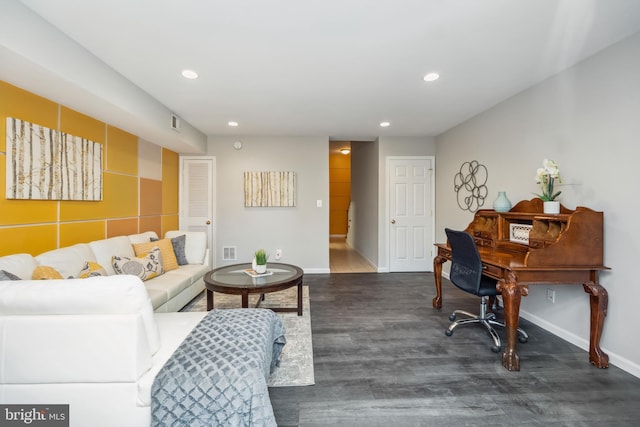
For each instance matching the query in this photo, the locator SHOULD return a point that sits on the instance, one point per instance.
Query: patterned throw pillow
(146, 267)
(5, 275)
(92, 269)
(169, 261)
(43, 272)
(179, 243)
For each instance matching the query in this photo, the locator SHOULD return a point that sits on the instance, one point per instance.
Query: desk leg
(437, 274)
(209, 300)
(599, 300)
(511, 296)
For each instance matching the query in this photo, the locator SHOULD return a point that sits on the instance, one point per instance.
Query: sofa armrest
(104, 348)
(196, 247)
(112, 295)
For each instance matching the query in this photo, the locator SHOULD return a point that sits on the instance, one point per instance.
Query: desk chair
(466, 274)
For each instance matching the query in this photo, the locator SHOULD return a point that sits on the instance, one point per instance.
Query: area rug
(296, 361)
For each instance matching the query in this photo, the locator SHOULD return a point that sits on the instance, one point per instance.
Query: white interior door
(197, 197)
(410, 183)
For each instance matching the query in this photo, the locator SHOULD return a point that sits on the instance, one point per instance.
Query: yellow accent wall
(339, 192)
(36, 226)
(81, 232)
(170, 171)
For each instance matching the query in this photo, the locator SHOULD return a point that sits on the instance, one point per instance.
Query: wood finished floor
(344, 259)
(381, 359)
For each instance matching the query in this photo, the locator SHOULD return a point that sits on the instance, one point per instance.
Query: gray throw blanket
(218, 375)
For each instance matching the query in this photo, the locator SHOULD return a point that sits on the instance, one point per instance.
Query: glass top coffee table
(232, 279)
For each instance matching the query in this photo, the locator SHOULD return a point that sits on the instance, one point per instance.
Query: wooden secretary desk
(525, 246)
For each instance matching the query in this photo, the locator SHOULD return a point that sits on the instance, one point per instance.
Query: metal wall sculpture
(470, 185)
(270, 189)
(46, 164)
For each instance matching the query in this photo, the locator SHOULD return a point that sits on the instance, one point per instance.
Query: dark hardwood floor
(382, 359)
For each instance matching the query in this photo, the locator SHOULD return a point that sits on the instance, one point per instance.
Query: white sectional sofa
(168, 292)
(94, 343)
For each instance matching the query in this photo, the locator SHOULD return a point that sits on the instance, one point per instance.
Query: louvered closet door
(197, 198)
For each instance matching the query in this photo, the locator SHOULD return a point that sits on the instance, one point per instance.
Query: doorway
(343, 258)
(197, 198)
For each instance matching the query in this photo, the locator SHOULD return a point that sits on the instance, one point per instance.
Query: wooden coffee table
(232, 279)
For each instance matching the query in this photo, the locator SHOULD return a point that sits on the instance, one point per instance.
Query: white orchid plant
(546, 176)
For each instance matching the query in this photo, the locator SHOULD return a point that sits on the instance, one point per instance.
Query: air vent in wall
(175, 122)
(229, 253)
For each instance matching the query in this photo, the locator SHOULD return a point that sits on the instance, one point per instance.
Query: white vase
(260, 269)
(551, 207)
(502, 203)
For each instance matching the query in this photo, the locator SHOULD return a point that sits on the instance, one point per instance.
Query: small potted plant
(546, 176)
(260, 261)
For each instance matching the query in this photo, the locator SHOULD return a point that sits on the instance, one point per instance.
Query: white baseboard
(317, 270)
(614, 359)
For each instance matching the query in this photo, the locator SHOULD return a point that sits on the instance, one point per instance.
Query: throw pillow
(43, 272)
(5, 275)
(179, 243)
(145, 267)
(169, 261)
(92, 269)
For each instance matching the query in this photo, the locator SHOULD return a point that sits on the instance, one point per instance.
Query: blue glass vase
(502, 203)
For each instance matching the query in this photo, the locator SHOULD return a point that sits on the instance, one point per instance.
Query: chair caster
(448, 332)
(495, 349)
(452, 317)
(523, 339)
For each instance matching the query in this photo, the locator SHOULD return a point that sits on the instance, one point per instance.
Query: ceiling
(338, 68)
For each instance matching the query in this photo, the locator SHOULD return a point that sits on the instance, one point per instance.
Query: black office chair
(466, 274)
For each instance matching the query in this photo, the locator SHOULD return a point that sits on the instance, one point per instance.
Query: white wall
(587, 119)
(364, 199)
(302, 232)
(37, 57)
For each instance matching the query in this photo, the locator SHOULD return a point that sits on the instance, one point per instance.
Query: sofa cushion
(107, 248)
(147, 236)
(5, 275)
(195, 244)
(169, 261)
(179, 248)
(172, 282)
(44, 272)
(92, 269)
(145, 267)
(69, 260)
(194, 271)
(22, 265)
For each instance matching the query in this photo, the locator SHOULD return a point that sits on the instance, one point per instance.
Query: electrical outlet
(551, 295)
(278, 253)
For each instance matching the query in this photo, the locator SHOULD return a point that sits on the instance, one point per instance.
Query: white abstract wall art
(45, 164)
(270, 189)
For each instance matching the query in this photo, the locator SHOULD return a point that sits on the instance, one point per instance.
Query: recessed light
(233, 124)
(431, 77)
(189, 74)
(345, 151)
(385, 124)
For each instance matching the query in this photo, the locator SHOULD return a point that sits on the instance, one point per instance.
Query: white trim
(614, 359)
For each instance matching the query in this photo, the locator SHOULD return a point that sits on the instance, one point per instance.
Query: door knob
(393, 221)
(208, 222)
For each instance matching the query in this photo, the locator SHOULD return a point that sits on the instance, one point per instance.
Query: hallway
(344, 259)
